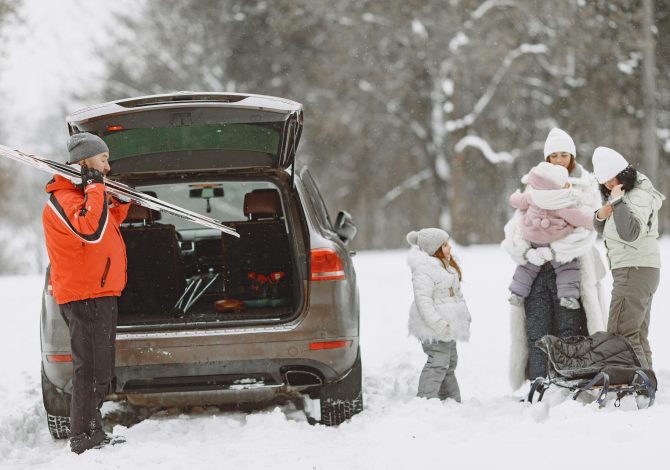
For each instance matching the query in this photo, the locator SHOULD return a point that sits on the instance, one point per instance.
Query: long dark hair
(627, 178)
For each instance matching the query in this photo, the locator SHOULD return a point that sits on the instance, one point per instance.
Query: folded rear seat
(263, 248)
(155, 268)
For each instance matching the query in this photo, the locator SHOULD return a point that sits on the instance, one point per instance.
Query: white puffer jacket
(439, 312)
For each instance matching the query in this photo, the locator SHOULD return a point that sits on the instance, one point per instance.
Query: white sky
(53, 51)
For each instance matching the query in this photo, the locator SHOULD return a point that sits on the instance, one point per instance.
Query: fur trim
(575, 244)
(513, 243)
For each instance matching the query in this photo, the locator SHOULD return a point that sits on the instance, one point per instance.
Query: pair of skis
(117, 189)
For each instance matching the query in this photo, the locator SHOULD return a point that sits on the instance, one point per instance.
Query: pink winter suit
(550, 215)
(543, 226)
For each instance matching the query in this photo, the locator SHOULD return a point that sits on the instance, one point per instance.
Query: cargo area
(183, 275)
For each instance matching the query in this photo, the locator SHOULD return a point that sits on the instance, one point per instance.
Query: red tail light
(329, 345)
(326, 265)
(59, 357)
(114, 128)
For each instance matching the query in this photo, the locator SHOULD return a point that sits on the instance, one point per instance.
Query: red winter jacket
(85, 247)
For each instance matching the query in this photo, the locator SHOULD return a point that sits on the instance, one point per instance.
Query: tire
(57, 405)
(342, 400)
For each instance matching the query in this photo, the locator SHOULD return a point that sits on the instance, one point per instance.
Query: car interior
(181, 273)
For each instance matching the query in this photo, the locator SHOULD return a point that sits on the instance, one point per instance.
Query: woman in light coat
(541, 312)
(438, 316)
(628, 222)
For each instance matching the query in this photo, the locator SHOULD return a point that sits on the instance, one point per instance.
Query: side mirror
(344, 227)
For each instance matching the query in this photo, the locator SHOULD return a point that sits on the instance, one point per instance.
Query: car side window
(316, 199)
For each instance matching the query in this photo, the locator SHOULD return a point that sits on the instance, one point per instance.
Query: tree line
(424, 112)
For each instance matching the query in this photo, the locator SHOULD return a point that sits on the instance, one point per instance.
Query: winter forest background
(417, 113)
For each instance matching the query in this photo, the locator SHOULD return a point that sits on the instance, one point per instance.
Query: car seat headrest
(262, 204)
(142, 215)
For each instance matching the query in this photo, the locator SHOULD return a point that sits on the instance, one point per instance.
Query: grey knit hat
(428, 240)
(85, 145)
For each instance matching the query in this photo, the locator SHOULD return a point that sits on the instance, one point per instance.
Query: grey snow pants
(437, 378)
(632, 292)
(546, 316)
(92, 324)
(568, 278)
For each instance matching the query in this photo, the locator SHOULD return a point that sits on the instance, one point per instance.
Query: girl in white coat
(438, 316)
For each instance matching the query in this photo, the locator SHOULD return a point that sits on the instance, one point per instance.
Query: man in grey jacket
(628, 222)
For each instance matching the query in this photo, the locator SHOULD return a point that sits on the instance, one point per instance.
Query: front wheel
(342, 400)
(57, 405)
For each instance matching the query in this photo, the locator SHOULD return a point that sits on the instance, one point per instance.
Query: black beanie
(85, 145)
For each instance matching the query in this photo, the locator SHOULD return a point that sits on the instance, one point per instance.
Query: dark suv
(207, 318)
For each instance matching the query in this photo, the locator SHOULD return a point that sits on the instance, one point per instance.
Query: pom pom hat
(429, 240)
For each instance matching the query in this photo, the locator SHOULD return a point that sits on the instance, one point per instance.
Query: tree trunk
(649, 139)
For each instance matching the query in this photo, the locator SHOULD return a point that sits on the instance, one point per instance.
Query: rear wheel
(342, 400)
(57, 405)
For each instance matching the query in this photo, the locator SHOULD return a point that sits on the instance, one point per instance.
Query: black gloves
(90, 176)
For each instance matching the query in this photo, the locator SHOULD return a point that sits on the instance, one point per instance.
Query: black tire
(57, 405)
(342, 400)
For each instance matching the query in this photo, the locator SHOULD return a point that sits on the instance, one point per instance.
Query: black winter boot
(81, 443)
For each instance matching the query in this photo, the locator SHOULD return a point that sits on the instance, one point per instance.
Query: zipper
(104, 274)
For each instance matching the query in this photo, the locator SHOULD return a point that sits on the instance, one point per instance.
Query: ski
(116, 188)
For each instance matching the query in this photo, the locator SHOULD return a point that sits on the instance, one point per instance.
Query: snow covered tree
(8, 10)
(419, 113)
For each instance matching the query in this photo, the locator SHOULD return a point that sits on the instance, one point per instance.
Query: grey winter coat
(439, 312)
(631, 233)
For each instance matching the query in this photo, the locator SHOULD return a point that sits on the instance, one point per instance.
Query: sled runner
(602, 363)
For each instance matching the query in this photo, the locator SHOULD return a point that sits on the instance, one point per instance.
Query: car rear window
(127, 143)
(228, 207)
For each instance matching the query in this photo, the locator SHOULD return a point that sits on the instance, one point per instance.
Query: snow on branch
(490, 4)
(488, 95)
(410, 183)
(484, 147)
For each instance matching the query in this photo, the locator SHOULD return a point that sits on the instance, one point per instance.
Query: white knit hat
(559, 141)
(428, 240)
(555, 174)
(607, 163)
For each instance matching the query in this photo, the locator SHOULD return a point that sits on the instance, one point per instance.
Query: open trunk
(184, 276)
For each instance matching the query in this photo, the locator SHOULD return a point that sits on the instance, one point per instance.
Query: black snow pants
(546, 316)
(92, 325)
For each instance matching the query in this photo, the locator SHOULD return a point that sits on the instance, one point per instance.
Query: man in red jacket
(88, 273)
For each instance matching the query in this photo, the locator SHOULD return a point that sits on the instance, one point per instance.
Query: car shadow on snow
(127, 415)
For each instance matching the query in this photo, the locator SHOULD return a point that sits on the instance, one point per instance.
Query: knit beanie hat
(607, 163)
(428, 240)
(555, 175)
(85, 145)
(559, 141)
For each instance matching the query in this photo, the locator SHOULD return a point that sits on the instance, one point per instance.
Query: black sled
(603, 363)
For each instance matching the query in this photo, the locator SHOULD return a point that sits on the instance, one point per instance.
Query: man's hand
(617, 191)
(90, 176)
(605, 211)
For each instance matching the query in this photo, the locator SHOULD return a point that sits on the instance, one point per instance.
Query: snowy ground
(490, 429)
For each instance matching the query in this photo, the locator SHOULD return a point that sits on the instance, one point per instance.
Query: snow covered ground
(490, 429)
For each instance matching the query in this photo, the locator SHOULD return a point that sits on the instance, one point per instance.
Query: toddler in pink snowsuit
(551, 214)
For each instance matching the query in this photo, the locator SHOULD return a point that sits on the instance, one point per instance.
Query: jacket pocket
(104, 274)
